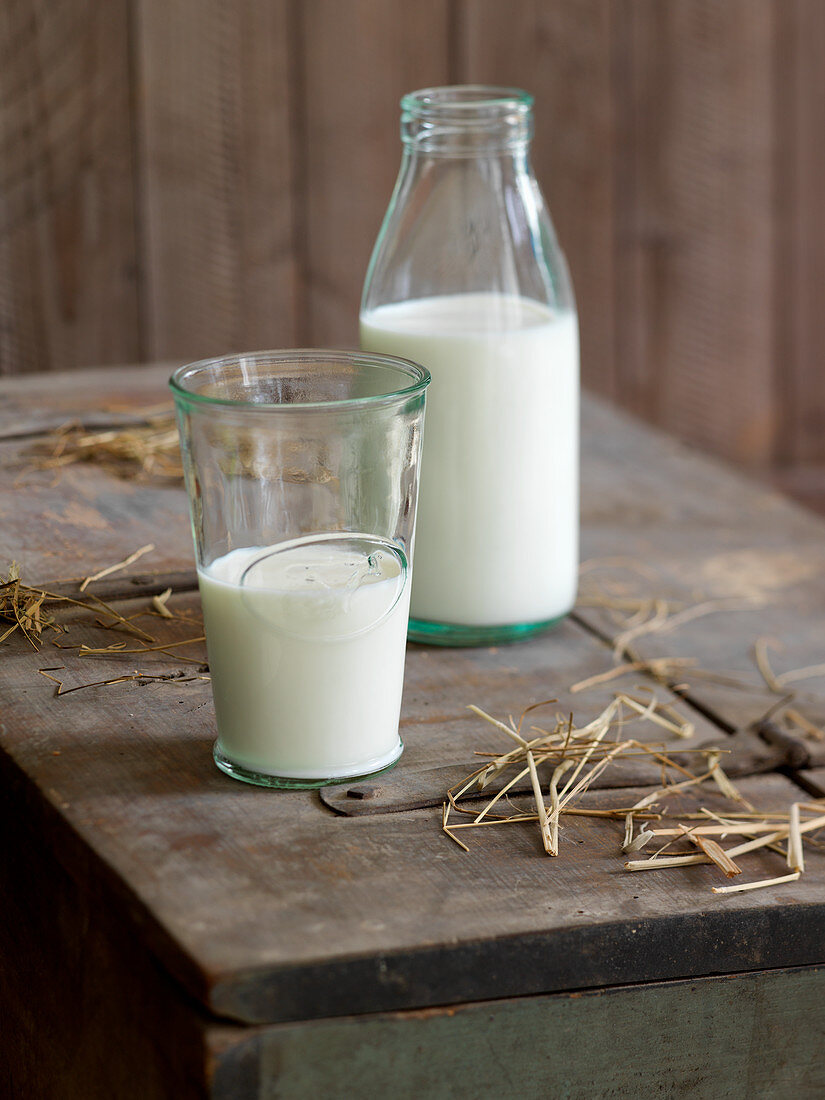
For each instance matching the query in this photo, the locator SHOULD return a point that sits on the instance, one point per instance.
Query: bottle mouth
(466, 118)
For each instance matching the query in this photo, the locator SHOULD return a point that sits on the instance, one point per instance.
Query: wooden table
(169, 932)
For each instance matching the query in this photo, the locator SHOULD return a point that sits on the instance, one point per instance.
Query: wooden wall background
(184, 177)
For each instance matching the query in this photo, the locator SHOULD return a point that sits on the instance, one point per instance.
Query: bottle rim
(469, 103)
(466, 120)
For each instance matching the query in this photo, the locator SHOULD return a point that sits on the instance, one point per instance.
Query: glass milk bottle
(467, 278)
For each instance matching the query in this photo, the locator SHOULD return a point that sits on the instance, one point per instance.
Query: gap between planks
(686, 697)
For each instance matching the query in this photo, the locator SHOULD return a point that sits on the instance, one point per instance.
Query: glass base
(450, 634)
(284, 782)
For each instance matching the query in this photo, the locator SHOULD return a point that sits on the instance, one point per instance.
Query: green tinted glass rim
(457, 100)
(406, 367)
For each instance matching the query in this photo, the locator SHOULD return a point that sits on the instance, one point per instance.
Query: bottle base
(450, 634)
(308, 783)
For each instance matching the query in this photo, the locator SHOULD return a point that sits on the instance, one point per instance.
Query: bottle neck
(467, 121)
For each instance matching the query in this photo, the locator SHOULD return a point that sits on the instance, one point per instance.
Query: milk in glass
(497, 531)
(306, 647)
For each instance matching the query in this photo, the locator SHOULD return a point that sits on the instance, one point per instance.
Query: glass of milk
(302, 474)
(468, 279)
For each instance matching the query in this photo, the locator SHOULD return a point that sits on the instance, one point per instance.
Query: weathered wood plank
(76, 520)
(562, 52)
(350, 148)
(266, 907)
(800, 243)
(694, 141)
(815, 781)
(422, 781)
(97, 398)
(629, 475)
(68, 247)
(441, 738)
(664, 522)
(696, 1039)
(88, 1012)
(216, 96)
(79, 519)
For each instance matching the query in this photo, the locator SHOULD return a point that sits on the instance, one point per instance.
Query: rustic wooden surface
(68, 231)
(694, 531)
(422, 782)
(504, 42)
(738, 1038)
(181, 180)
(349, 142)
(63, 944)
(800, 32)
(99, 398)
(270, 909)
(262, 907)
(80, 524)
(684, 314)
(815, 781)
(217, 191)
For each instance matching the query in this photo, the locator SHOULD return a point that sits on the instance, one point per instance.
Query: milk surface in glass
(306, 647)
(497, 530)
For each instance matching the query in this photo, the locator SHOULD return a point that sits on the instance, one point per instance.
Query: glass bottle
(467, 278)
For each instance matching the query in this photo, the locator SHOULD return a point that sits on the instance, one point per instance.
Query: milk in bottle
(467, 278)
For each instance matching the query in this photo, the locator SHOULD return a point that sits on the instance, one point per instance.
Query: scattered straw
(794, 718)
(159, 604)
(25, 607)
(742, 886)
(635, 844)
(137, 676)
(445, 814)
(796, 674)
(760, 655)
(715, 853)
(664, 619)
(796, 858)
(142, 450)
(544, 825)
(118, 565)
(659, 668)
(577, 755)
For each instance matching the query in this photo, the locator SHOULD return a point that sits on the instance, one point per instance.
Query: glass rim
(404, 367)
(446, 98)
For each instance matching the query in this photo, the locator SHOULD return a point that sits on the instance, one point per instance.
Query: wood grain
(96, 398)
(66, 1031)
(694, 177)
(77, 520)
(68, 237)
(800, 255)
(215, 99)
(694, 531)
(561, 51)
(351, 150)
(265, 906)
(183, 180)
(268, 908)
(700, 1039)
(814, 781)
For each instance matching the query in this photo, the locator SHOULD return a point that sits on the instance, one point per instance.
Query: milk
(497, 530)
(306, 647)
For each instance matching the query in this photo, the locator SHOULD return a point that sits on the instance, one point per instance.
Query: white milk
(497, 532)
(306, 651)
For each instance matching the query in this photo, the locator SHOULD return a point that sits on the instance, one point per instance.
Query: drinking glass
(301, 469)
